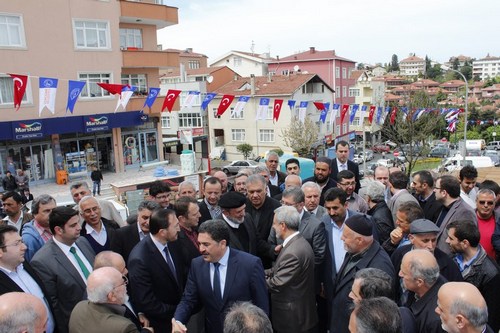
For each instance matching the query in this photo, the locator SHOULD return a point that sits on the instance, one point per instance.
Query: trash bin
(61, 177)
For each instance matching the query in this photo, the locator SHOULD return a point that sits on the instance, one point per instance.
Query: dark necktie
(84, 269)
(170, 263)
(217, 291)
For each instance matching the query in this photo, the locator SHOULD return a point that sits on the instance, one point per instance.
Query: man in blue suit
(218, 278)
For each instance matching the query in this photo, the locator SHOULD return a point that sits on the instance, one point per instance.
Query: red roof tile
(313, 54)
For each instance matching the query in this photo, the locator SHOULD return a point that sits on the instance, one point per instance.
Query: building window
(130, 38)
(238, 134)
(337, 72)
(353, 92)
(355, 122)
(91, 89)
(190, 120)
(308, 88)
(7, 91)
(344, 91)
(138, 80)
(266, 135)
(165, 121)
(344, 73)
(270, 112)
(344, 128)
(237, 61)
(337, 130)
(236, 116)
(92, 35)
(193, 64)
(12, 31)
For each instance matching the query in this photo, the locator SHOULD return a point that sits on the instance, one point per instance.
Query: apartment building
(412, 66)
(244, 63)
(82, 40)
(336, 71)
(486, 68)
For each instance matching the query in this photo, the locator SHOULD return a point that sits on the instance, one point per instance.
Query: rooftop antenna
(252, 47)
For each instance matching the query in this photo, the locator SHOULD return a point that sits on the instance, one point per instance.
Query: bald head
(419, 271)
(110, 259)
(103, 286)
(22, 312)
(461, 306)
(293, 181)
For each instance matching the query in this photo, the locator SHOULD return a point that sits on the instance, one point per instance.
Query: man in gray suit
(447, 192)
(398, 182)
(64, 264)
(291, 280)
(312, 194)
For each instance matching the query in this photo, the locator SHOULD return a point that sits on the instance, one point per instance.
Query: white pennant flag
(125, 95)
(48, 89)
(302, 111)
(190, 99)
(262, 109)
(240, 105)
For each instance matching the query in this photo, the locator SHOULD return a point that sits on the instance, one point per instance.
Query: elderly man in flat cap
(362, 252)
(423, 236)
(242, 229)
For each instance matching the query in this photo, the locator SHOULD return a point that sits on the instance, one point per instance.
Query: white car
(358, 159)
(385, 162)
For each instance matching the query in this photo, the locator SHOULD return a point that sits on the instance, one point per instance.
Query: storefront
(42, 146)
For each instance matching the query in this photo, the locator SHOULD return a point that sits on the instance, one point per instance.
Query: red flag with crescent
(393, 115)
(169, 100)
(372, 112)
(277, 109)
(345, 108)
(20, 82)
(224, 104)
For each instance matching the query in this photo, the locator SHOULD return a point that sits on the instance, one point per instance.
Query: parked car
(493, 145)
(358, 159)
(236, 166)
(385, 162)
(493, 154)
(381, 148)
(370, 168)
(369, 155)
(439, 152)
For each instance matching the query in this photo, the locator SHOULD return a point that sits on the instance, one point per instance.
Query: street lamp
(466, 103)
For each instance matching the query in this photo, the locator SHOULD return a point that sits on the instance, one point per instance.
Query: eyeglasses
(16, 243)
(489, 203)
(125, 282)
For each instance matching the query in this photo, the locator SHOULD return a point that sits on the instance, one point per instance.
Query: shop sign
(198, 131)
(27, 129)
(96, 123)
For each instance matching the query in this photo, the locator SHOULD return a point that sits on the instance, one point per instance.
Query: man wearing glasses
(104, 311)
(16, 275)
(160, 192)
(347, 181)
(487, 222)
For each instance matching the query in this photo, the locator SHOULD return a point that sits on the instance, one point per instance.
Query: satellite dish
(296, 68)
(210, 78)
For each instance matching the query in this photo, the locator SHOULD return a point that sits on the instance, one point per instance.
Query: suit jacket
(244, 282)
(313, 231)
(274, 191)
(65, 287)
(431, 207)
(27, 198)
(248, 227)
(90, 317)
(291, 284)
(424, 310)
(459, 211)
(351, 166)
(154, 289)
(396, 201)
(188, 250)
(382, 217)
(124, 240)
(320, 212)
(374, 257)
(205, 212)
(111, 227)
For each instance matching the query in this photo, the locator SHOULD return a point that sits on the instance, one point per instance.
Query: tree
(300, 136)
(407, 132)
(245, 149)
(394, 64)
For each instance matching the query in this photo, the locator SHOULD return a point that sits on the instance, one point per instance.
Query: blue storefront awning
(36, 128)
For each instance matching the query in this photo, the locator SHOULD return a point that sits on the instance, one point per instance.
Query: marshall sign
(96, 123)
(27, 129)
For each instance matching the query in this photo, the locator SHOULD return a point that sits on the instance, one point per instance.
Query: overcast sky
(366, 31)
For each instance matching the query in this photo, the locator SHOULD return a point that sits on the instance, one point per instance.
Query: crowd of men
(269, 252)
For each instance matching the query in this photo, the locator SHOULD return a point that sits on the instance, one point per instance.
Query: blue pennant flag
(291, 103)
(322, 116)
(387, 109)
(354, 109)
(405, 110)
(74, 90)
(208, 98)
(379, 114)
(153, 93)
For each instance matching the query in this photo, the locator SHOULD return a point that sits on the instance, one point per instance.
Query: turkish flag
(20, 83)
(224, 104)
(320, 106)
(170, 99)
(113, 89)
(277, 109)
(372, 112)
(393, 115)
(345, 108)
